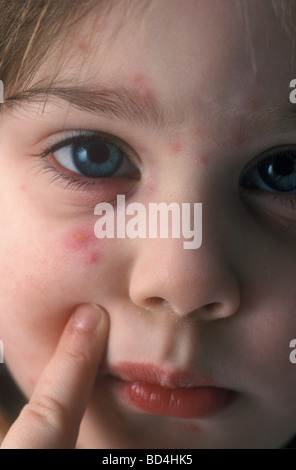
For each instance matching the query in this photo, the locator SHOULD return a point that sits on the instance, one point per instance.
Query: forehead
(199, 57)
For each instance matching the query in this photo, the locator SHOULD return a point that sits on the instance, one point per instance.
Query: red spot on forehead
(175, 146)
(148, 95)
(238, 139)
(252, 105)
(142, 88)
(82, 45)
(138, 78)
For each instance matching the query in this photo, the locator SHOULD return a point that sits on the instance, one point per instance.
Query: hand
(52, 418)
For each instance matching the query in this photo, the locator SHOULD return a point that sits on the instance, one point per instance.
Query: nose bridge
(191, 272)
(177, 221)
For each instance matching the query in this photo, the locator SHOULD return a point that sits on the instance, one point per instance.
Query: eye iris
(279, 172)
(97, 159)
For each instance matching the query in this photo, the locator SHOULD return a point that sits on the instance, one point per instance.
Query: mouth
(176, 394)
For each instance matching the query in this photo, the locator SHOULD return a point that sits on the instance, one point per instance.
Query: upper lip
(152, 374)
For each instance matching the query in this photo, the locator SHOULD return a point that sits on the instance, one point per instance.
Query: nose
(167, 277)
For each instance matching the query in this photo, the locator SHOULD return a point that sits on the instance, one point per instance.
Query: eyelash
(70, 139)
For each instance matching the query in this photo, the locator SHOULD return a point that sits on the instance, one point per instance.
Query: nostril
(154, 302)
(217, 310)
(214, 306)
(159, 304)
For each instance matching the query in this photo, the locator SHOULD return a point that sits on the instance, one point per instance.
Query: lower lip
(197, 402)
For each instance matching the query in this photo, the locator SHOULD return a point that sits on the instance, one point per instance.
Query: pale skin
(226, 309)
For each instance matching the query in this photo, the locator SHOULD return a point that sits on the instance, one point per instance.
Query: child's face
(214, 86)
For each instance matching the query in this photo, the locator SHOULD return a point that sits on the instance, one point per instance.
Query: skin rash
(207, 115)
(83, 242)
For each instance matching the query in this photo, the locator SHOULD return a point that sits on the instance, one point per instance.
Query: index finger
(52, 417)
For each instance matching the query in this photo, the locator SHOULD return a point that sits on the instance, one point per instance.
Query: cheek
(43, 277)
(82, 243)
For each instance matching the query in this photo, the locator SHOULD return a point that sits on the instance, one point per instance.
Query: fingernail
(87, 317)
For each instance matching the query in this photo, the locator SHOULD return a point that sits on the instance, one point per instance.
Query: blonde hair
(29, 29)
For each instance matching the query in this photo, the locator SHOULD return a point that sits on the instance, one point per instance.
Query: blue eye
(96, 159)
(93, 157)
(275, 173)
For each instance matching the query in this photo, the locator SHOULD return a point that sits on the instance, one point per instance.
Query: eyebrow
(118, 103)
(274, 119)
(143, 109)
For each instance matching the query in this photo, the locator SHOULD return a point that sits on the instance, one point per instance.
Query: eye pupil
(282, 167)
(98, 153)
(278, 172)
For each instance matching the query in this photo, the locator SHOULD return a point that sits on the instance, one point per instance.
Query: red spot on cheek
(77, 239)
(84, 242)
(23, 187)
(93, 258)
